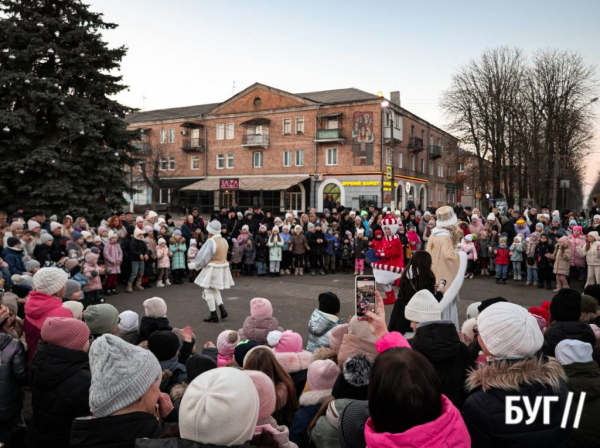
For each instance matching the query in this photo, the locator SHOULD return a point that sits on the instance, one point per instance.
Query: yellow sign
(367, 183)
(389, 172)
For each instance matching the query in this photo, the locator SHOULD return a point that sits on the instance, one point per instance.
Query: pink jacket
(113, 253)
(448, 430)
(163, 257)
(466, 247)
(223, 361)
(91, 264)
(574, 244)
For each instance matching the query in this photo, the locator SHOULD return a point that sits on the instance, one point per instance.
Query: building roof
(338, 96)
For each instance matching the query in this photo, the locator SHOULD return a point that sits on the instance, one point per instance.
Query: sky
(186, 52)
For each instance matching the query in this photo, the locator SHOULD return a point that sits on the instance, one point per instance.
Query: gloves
(94, 273)
(108, 271)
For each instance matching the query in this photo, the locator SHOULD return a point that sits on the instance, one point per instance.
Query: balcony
(392, 133)
(435, 152)
(143, 147)
(192, 144)
(250, 140)
(415, 144)
(329, 135)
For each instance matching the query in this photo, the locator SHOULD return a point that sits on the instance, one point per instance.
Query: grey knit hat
(121, 374)
(72, 287)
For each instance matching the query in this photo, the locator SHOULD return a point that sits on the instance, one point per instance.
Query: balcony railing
(192, 144)
(329, 134)
(415, 144)
(435, 152)
(143, 147)
(255, 140)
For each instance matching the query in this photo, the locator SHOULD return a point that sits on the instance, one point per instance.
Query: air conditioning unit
(183, 132)
(318, 177)
(367, 201)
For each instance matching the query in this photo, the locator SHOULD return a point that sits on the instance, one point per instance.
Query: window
(423, 136)
(431, 140)
(300, 125)
(220, 161)
(400, 159)
(287, 126)
(440, 192)
(440, 170)
(431, 168)
(397, 121)
(164, 196)
(412, 130)
(423, 166)
(257, 159)
(448, 171)
(287, 158)
(195, 163)
(162, 164)
(229, 131)
(389, 156)
(331, 157)
(461, 167)
(171, 135)
(171, 163)
(332, 123)
(300, 157)
(258, 129)
(220, 132)
(163, 136)
(229, 161)
(389, 118)
(413, 162)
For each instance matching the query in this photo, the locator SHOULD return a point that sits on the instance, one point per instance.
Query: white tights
(213, 298)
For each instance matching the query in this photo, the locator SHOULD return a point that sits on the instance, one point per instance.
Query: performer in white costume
(215, 274)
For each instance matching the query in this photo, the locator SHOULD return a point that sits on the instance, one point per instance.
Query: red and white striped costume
(388, 269)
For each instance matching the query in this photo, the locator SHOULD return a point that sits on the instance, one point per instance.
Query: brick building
(293, 151)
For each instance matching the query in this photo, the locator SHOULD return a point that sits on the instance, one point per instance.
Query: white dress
(213, 275)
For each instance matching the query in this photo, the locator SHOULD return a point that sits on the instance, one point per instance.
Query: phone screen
(365, 295)
(442, 284)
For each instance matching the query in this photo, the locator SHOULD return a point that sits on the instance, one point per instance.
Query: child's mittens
(94, 273)
(108, 271)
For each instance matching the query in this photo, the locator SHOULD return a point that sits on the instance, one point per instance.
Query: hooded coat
(14, 258)
(585, 377)
(559, 331)
(113, 253)
(320, 326)
(562, 260)
(60, 379)
(484, 411)
(257, 328)
(13, 376)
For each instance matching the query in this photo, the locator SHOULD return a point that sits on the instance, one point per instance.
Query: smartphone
(364, 291)
(442, 284)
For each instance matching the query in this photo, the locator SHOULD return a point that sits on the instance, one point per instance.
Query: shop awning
(254, 183)
(337, 114)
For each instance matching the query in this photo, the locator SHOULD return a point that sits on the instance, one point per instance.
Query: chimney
(395, 97)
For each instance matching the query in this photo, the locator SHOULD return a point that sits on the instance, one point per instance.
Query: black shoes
(213, 317)
(223, 311)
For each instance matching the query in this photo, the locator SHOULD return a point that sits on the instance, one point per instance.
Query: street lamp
(385, 104)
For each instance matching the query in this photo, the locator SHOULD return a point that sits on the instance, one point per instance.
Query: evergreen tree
(63, 143)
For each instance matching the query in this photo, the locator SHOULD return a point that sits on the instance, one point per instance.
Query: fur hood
(294, 362)
(324, 353)
(177, 392)
(510, 375)
(313, 397)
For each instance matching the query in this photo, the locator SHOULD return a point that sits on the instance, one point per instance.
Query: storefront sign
(389, 172)
(408, 185)
(229, 184)
(367, 183)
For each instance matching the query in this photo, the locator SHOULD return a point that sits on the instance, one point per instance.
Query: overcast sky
(185, 52)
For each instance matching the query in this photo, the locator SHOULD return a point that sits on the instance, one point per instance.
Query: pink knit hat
(266, 394)
(285, 342)
(322, 375)
(226, 342)
(65, 332)
(260, 307)
(337, 336)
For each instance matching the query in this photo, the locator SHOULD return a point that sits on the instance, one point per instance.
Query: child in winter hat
(101, 319)
(423, 307)
(226, 342)
(220, 407)
(266, 396)
(122, 373)
(569, 351)
(566, 306)
(129, 326)
(155, 307)
(75, 307)
(260, 322)
(66, 332)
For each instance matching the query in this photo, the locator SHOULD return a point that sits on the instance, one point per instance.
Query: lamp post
(384, 114)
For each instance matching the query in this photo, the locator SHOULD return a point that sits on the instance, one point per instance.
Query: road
(294, 298)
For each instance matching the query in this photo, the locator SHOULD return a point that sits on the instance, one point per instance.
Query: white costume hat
(445, 217)
(391, 222)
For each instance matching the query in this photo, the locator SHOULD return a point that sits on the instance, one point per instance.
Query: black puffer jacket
(559, 331)
(440, 344)
(175, 443)
(484, 411)
(585, 377)
(13, 375)
(60, 379)
(149, 325)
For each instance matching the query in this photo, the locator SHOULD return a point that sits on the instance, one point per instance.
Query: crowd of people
(76, 372)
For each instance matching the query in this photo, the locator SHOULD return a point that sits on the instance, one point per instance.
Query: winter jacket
(523, 231)
(90, 268)
(176, 374)
(162, 255)
(14, 258)
(174, 442)
(484, 411)
(448, 430)
(476, 227)
(451, 359)
(60, 379)
(129, 336)
(316, 248)
(117, 431)
(361, 247)
(149, 325)
(530, 253)
(42, 253)
(38, 308)
(398, 321)
(112, 255)
(260, 244)
(320, 326)
(13, 376)
(310, 403)
(559, 331)
(257, 328)
(179, 250)
(470, 249)
(275, 248)
(325, 433)
(575, 244)
(249, 255)
(413, 240)
(484, 249)
(592, 256)
(242, 239)
(137, 248)
(299, 243)
(541, 250)
(74, 250)
(585, 377)
(517, 251)
(562, 260)
(332, 244)
(502, 255)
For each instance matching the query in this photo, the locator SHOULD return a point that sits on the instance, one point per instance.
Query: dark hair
(422, 275)
(404, 391)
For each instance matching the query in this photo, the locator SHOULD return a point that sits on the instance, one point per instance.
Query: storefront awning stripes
(254, 183)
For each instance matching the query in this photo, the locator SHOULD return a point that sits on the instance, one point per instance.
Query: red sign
(229, 184)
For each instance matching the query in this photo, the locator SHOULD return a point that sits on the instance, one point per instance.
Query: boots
(223, 311)
(212, 318)
(301, 271)
(390, 298)
(160, 284)
(129, 287)
(138, 285)
(288, 272)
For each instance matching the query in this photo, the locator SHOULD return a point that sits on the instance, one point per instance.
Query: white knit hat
(569, 351)
(596, 217)
(509, 331)
(472, 310)
(469, 237)
(491, 217)
(214, 227)
(152, 214)
(49, 280)
(555, 213)
(220, 407)
(161, 241)
(75, 306)
(423, 307)
(155, 307)
(193, 241)
(129, 321)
